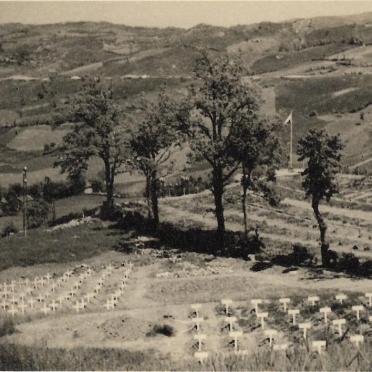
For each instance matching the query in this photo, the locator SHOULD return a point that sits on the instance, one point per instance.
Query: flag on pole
(289, 119)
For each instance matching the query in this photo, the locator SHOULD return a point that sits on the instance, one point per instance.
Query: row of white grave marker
(318, 345)
(271, 334)
(25, 295)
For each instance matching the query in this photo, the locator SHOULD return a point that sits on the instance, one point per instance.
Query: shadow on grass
(190, 239)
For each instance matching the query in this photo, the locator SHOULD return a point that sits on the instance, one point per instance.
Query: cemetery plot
(80, 291)
(311, 324)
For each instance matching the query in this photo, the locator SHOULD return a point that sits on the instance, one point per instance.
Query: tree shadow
(170, 236)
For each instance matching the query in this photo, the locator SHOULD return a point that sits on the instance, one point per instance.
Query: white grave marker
(197, 322)
(201, 356)
(13, 310)
(313, 300)
(22, 306)
(235, 335)
(357, 340)
(339, 323)
(262, 317)
(280, 347)
(341, 297)
(293, 313)
(325, 310)
(227, 303)
(319, 345)
(271, 333)
(200, 338)
(285, 302)
(305, 327)
(45, 309)
(357, 309)
(369, 296)
(230, 320)
(255, 302)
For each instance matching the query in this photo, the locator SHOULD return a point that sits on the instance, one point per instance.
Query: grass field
(34, 139)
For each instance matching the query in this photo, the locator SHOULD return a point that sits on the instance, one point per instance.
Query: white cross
(196, 308)
(42, 281)
(31, 302)
(226, 302)
(235, 335)
(53, 305)
(201, 356)
(262, 316)
(197, 322)
(13, 310)
(305, 327)
(230, 320)
(325, 310)
(83, 303)
(294, 312)
(357, 309)
(319, 345)
(109, 305)
(22, 306)
(271, 333)
(341, 297)
(280, 347)
(313, 299)
(12, 286)
(89, 296)
(357, 339)
(77, 306)
(369, 296)
(45, 309)
(4, 304)
(61, 299)
(200, 338)
(48, 277)
(339, 323)
(285, 302)
(255, 302)
(40, 298)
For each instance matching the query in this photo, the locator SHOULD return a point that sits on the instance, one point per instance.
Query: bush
(164, 329)
(6, 327)
(37, 213)
(8, 230)
(97, 185)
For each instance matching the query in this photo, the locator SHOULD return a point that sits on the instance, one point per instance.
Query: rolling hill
(320, 68)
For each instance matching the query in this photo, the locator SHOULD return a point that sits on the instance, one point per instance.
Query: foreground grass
(337, 357)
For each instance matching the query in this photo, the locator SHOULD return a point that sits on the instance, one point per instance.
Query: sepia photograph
(186, 185)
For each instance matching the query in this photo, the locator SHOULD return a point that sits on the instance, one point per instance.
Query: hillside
(320, 68)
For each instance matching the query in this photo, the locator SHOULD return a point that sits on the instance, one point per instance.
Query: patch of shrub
(161, 329)
(6, 327)
(9, 230)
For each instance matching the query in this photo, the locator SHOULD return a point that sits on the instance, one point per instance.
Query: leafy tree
(254, 145)
(151, 146)
(37, 213)
(97, 133)
(217, 101)
(323, 155)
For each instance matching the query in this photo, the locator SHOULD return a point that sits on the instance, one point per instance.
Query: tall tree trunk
(148, 197)
(154, 199)
(109, 180)
(324, 246)
(245, 185)
(218, 195)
